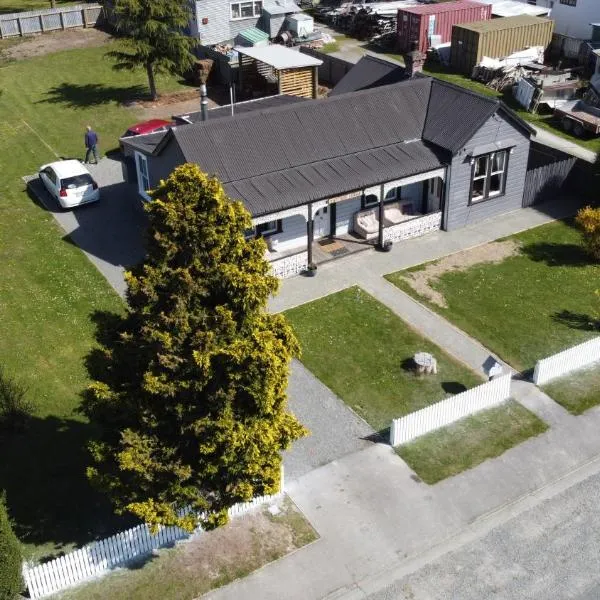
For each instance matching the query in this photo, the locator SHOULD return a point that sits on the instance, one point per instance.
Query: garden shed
(291, 72)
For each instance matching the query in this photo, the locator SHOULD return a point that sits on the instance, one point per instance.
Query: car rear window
(77, 181)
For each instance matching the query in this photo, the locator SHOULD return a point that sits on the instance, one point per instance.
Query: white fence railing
(413, 227)
(290, 265)
(98, 558)
(51, 19)
(449, 410)
(566, 361)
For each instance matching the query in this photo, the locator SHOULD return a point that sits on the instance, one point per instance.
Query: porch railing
(289, 266)
(413, 227)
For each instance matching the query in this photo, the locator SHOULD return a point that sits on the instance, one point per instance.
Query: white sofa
(366, 222)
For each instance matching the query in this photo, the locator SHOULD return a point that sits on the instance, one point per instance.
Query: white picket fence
(566, 361)
(451, 409)
(100, 557)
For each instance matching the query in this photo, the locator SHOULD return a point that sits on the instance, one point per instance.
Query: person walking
(91, 143)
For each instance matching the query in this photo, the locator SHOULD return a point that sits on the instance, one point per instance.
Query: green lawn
(468, 442)
(529, 306)
(49, 291)
(577, 391)
(362, 351)
(13, 6)
(334, 46)
(545, 121)
(207, 561)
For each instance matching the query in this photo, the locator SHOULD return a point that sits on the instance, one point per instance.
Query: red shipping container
(419, 23)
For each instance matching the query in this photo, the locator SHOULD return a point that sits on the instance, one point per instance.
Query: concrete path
(378, 523)
(554, 141)
(346, 271)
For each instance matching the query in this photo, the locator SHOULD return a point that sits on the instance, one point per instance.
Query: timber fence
(98, 558)
(451, 409)
(568, 360)
(51, 19)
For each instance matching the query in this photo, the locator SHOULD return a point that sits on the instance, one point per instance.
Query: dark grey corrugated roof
(454, 115)
(145, 143)
(299, 134)
(368, 72)
(290, 155)
(326, 178)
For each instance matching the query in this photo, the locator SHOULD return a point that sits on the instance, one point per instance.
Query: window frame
(255, 5)
(139, 159)
(263, 232)
(572, 3)
(487, 176)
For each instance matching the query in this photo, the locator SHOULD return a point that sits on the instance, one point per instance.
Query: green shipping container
(497, 38)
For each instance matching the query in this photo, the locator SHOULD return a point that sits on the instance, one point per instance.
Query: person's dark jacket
(91, 139)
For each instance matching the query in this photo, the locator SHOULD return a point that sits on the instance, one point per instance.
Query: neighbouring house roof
(369, 71)
(280, 57)
(280, 7)
(513, 8)
(292, 154)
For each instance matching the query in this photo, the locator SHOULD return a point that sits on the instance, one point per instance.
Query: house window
(143, 176)
(369, 200)
(246, 10)
(488, 176)
(393, 194)
(569, 2)
(268, 228)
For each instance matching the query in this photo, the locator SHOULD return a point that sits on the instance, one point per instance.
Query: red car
(151, 126)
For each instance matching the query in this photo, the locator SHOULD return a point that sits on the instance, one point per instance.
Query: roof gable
(454, 115)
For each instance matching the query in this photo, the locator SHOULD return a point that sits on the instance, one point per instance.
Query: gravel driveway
(335, 429)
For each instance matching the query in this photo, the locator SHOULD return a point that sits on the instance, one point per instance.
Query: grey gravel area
(335, 429)
(111, 231)
(550, 551)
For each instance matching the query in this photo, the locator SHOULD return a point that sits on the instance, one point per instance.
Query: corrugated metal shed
(497, 38)
(419, 23)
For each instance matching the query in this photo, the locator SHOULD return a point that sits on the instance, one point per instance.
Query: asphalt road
(551, 551)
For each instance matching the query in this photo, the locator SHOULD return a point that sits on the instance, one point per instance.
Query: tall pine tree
(153, 34)
(190, 391)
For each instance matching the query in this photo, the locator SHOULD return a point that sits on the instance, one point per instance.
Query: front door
(322, 223)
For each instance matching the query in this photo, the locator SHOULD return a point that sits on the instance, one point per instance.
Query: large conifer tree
(191, 396)
(10, 557)
(153, 33)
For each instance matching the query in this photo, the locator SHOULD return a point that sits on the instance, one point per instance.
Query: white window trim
(487, 176)
(143, 192)
(254, 15)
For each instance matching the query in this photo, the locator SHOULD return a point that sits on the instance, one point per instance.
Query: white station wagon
(70, 183)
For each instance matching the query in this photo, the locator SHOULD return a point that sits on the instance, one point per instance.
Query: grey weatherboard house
(378, 165)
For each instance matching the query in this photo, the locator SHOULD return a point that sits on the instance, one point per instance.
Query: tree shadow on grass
(557, 255)
(579, 321)
(49, 497)
(73, 95)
